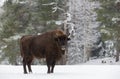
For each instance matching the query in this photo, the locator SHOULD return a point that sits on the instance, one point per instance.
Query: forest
(92, 25)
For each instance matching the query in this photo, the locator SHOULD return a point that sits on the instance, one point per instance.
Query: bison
(49, 45)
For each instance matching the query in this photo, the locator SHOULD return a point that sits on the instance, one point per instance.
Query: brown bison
(49, 45)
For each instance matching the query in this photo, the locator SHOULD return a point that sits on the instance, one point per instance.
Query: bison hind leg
(29, 68)
(29, 61)
(24, 66)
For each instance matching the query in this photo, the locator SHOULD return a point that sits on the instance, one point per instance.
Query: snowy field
(62, 72)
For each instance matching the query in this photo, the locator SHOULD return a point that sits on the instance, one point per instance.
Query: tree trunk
(118, 50)
(117, 56)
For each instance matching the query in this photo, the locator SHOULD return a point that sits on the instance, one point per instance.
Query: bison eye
(56, 39)
(59, 39)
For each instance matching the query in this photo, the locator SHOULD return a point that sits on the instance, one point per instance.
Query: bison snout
(63, 47)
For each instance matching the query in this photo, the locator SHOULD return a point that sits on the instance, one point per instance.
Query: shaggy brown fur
(47, 45)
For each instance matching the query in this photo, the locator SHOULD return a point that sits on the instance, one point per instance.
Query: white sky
(1, 2)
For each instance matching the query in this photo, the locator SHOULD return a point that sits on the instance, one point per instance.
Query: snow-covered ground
(62, 72)
(82, 71)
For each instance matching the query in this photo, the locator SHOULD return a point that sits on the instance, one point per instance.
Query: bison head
(61, 38)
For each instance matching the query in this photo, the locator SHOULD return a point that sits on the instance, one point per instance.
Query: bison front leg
(48, 65)
(49, 62)
(53, 65)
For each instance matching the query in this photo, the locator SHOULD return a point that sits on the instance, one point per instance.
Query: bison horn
(59, 33)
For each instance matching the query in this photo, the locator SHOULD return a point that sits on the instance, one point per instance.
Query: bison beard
(48, 45)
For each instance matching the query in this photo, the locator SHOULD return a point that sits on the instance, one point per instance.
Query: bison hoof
(25, 72)
(51, 71)
(48, 72)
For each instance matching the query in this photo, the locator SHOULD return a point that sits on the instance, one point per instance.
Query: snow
(117, 1)
(92, 69)
(62, 72)
(1, 2)
(82, 26)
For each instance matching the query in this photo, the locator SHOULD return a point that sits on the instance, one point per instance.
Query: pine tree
(109, 16)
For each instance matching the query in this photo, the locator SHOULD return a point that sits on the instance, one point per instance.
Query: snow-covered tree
(83, 28)
(109, 16)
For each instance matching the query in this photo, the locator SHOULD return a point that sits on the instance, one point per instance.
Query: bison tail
(21, 48)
